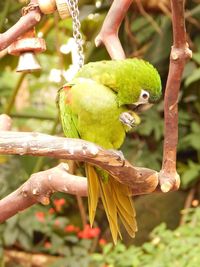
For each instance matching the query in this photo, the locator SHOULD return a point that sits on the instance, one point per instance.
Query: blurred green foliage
(167, 248)
(31, 101)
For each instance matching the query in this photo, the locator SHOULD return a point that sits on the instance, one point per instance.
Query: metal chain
(74, 11)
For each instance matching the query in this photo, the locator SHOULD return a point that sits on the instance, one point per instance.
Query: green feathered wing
(75, 108)
(68, 119)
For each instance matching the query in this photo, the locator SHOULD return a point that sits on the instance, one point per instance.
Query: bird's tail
(93, 191)
(116, 200)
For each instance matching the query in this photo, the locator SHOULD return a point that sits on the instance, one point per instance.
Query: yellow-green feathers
(92, 107)
(93, 191)
(116, 199)
(127, 77)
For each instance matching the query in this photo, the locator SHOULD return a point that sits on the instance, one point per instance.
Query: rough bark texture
(180, 53)
(41, 185)
(24, 24)
(28, 259)
(38, 189)
(142, 180)
(109, 32)
(5, 122)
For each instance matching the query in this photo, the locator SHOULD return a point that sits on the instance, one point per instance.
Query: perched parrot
(98, 106)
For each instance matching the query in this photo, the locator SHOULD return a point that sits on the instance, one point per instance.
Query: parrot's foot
(120, 155)
(127, 119)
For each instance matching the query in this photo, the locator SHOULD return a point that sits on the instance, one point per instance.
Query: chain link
(74, 11)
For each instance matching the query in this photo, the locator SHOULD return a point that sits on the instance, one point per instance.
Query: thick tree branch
(5, 122)
(38, 189)
(180, 53)
(25, 259)
(40, 186)
(24, 24)
(141, 180)
(109, 32)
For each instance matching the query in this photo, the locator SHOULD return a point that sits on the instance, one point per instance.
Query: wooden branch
(109, 32)
(24, 24)
(25, 259)
(38, 189)
(5, 122)
(180, 53)
(40, 186)
(141, 180)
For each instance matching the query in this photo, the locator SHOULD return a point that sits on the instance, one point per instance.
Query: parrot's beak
(141, 107)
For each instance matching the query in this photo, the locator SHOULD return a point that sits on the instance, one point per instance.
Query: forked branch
(38, 189)
(141, 180)
(109, 32)
(24, 24)
(180, 53)
(40, 186)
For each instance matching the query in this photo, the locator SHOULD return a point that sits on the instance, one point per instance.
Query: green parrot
(99, 105)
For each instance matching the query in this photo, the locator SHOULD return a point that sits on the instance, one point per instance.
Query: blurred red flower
(47, 244)
(102, 241)
(59, 203)
(88, 232)
(40, 216)
(51, 211)
(71, 229)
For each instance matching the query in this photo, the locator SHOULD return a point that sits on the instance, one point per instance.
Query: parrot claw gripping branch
(140, 180)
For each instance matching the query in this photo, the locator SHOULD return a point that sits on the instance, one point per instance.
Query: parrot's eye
(143, 98)
(144, 95)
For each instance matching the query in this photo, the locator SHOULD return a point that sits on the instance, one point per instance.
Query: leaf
(72, 239)
(10, 236)
(195, 127)
(148, 247)
(79, 251)
(195, 76)
(57, 243)
(107, 248)
(196, 57)
(194, 139)
(25, 240)
(97, 257)
(160, 47)
(190, 175)
(190, 140)
(189, 69)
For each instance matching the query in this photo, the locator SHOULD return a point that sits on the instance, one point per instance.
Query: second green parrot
(98, 106)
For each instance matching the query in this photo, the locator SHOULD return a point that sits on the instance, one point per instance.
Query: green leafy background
(31, 101)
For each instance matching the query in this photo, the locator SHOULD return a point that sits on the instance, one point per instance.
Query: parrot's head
(143, 85)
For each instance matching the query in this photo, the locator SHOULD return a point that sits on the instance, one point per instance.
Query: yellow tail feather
(93, 191)
(125, 207)
(116, 201)
(110, 208)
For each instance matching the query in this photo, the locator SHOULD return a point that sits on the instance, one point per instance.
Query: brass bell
(28, 62)
(26, 47)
